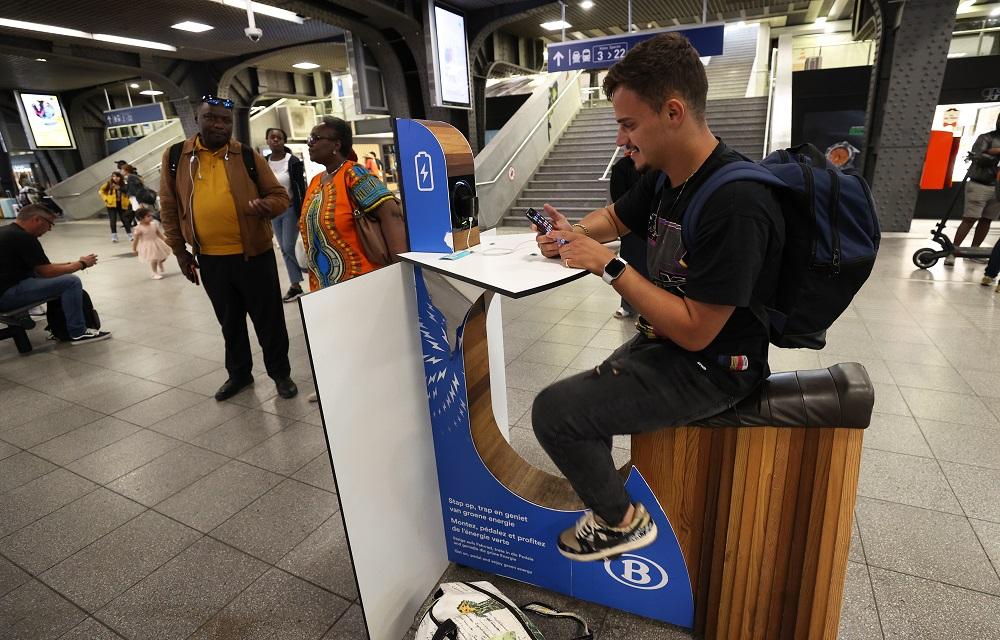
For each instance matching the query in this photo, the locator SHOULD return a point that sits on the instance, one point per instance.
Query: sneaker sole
(612, 552)
(77, 343)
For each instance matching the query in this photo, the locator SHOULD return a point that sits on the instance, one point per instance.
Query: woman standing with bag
(291, 173)
(351, 223)
(117, 203)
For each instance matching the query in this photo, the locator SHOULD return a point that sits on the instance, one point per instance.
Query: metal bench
(18, 322)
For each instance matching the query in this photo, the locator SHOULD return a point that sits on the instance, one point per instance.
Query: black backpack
(248, 161)
(57, 320)
(832, 237)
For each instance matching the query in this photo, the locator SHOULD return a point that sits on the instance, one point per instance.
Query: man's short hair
(29, 211)
(661, 68)
(342, 130)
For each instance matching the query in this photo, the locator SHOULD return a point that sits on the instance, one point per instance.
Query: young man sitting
(700, 347)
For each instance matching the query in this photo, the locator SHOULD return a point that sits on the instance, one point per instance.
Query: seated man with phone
(700, 348)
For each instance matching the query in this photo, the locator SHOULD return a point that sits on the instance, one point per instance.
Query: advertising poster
(44, 121)
(452, 57)
(967, 122)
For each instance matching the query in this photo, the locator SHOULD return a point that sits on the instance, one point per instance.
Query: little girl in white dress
(148, 242)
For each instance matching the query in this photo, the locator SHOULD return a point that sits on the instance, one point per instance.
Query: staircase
(729, 73)
(570, 177)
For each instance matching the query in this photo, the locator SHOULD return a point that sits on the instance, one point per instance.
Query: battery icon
(425, 171)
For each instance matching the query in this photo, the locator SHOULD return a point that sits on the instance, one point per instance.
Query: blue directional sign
(599, 53)
(134, 115)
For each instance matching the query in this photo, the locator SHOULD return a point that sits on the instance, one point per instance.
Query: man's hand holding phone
(542, 226)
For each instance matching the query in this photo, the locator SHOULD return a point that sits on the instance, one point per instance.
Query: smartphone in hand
(544, 224)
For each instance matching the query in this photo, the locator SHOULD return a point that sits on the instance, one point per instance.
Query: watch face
(615, 267)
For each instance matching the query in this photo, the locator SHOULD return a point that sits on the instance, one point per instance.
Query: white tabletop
(510, 265)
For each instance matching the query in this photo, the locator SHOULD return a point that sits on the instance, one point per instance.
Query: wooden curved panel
(506, 465)
(457, 153)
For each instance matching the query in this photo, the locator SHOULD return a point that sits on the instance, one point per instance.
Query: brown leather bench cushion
(841, 396)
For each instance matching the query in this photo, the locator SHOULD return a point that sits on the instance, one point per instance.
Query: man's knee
(68, 282)
(548, 413)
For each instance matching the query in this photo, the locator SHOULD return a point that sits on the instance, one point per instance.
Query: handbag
(370, 234)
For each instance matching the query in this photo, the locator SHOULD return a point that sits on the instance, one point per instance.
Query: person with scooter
(980, 201)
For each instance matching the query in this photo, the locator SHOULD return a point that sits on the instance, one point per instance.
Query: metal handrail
(604, 176)
(531, 133)
(155, 168)
(770, 102)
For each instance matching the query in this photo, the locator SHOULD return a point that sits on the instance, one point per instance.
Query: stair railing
(606, 176)
(570, 86)
(770, 103)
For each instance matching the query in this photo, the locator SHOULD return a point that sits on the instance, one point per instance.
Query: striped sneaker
(593, 539)
(90, 335)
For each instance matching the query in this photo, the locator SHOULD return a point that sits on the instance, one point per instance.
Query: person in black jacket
(981, 205)
(291, 173)
(624, 175)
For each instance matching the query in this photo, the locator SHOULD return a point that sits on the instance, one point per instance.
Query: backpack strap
(250, 163)
(731, 172)
(545, 610)
(174, 157)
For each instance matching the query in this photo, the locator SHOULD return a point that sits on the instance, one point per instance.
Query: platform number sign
(600, 53)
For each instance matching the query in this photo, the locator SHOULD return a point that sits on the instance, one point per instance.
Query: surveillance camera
(253, 34)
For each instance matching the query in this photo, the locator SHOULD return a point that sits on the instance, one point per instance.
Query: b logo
(636, 572)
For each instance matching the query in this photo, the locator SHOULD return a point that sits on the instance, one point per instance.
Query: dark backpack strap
(660, 182)
(174, 157)
(250, 163)
(447, 631)
(731, 172)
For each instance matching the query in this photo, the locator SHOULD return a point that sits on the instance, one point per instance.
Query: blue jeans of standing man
(34, 290)
(286, 230)
(993, 268)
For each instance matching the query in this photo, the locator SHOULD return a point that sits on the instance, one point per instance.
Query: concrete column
(919, 53)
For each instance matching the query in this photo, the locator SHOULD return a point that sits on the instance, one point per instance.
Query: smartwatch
(614, 269)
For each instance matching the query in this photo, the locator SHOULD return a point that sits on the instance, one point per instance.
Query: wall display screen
(44, 120)
(451, 58)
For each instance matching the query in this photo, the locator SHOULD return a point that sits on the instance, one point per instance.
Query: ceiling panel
(609, 15)
(330, 56)
(152, 20)
(28, 74)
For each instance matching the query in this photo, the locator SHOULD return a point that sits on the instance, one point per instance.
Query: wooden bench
(761, 497)
(18, 322)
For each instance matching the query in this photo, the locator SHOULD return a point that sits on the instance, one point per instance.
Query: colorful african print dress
(333, 248)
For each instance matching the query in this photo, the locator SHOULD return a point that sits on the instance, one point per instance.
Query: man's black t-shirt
(735, 258)
(20, 253)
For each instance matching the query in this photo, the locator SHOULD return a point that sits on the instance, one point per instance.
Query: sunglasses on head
(225, 103)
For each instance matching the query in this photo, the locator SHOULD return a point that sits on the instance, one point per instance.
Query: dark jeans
(126, 217)
(68, 287)
(993, 268)
(643, 386)
(238, 287)
(633, 250)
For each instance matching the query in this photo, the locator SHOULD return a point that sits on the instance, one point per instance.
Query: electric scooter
(927, 257)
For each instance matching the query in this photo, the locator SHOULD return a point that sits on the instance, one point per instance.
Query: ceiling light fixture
(75, 33)
(132, 42)
(193, 27)
(45, 28)
(134, 85)
(587, 5)
(995, 12)
(555, 25)
(150, 92)
(41, 60)
(264, 10)
(306, 65)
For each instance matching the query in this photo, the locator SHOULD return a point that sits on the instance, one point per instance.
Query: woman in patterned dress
(333, 247)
